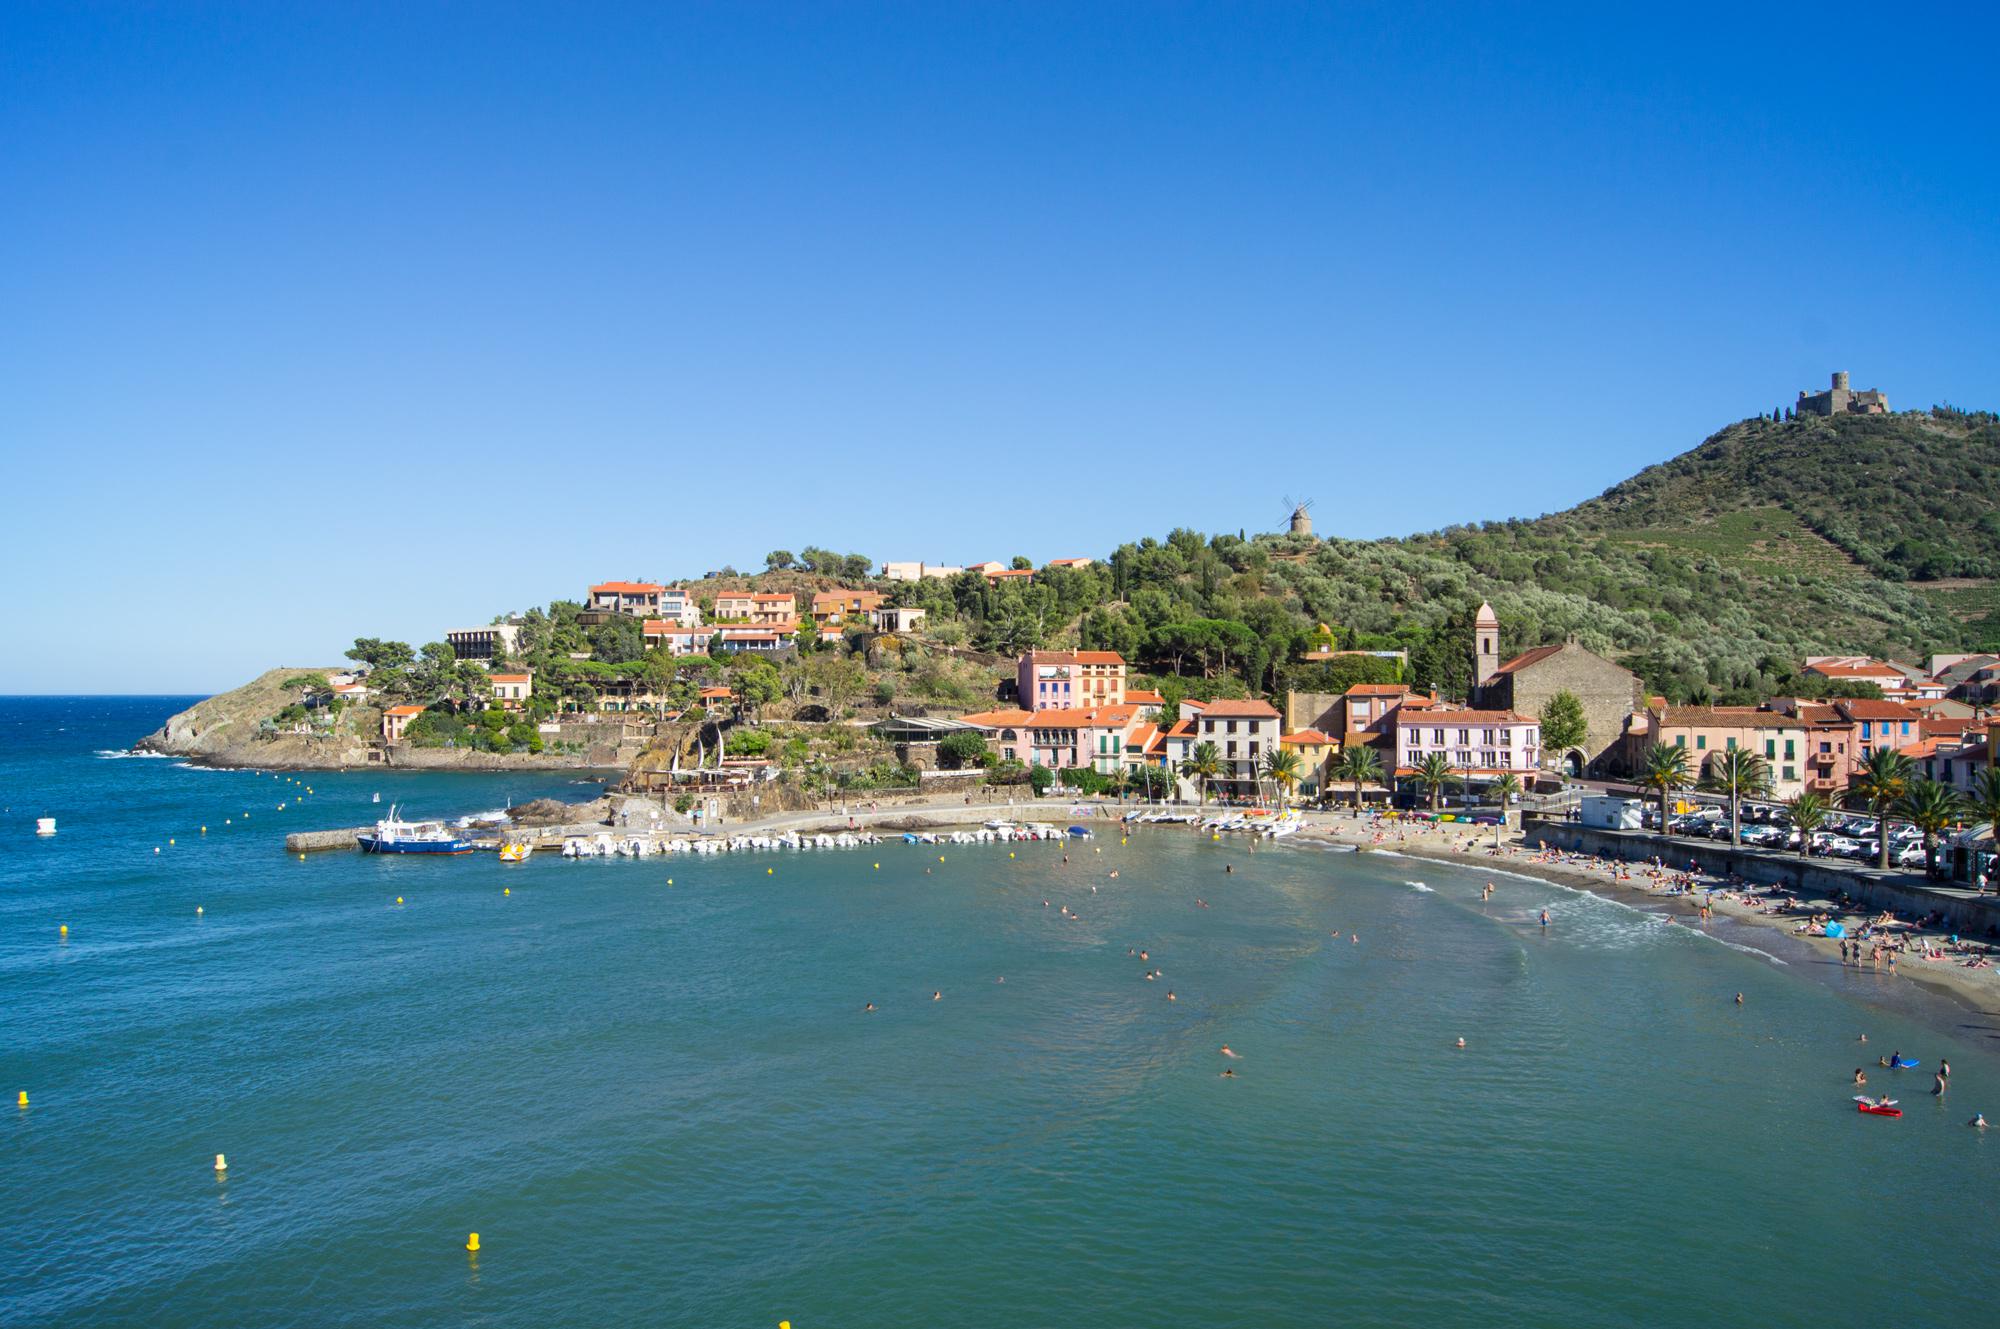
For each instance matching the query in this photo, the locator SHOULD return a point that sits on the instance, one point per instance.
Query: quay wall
(1908, 895)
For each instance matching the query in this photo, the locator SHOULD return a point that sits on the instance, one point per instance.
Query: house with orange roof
(1243, 732)
(1004, 731)
(836, 609)
(638, 598)
(1071, 563)
(676, 638)
(1065, 679)
(511, 691)
(1894, 682)
(1706, 732)
(1829, 745)
(396, 719)
(1879, 724)
(1084, 736)
(1315, 751)
(999, 575)
(764, 608)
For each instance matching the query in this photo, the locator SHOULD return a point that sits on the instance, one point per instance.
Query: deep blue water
(664, 1104)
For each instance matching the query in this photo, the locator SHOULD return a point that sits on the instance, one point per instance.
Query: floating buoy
(45, 825)
(940, 858)
(197, 909)
(156, 849)
(472, 1242)
(170, 840)
(302, 858)
(878, 867)
(767, 872)
(1010, 853)
(204, 830)
(23, 1100)
(221, 1163)
(670, 881)
(399, 899)
(505, 890)
(226, 821)
(64, 929)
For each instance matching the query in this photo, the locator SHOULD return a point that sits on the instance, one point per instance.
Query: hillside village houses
(1075, 709)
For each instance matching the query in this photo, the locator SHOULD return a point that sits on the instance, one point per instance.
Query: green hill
(1711, 574)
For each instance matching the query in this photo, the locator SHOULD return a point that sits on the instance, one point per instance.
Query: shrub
(1040, 778)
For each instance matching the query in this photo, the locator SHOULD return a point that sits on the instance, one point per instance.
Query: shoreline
(1751, 908)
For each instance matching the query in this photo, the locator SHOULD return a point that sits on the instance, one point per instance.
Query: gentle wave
(120, 754)
(1417, 885)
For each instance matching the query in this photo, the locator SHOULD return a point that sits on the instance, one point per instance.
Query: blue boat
(393, 835)
(1080, 832)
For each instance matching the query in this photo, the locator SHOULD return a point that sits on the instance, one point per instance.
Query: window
(1732, 744)
(1770, 747)
(1507, 737)
(1788, 750)
(1464, 736)
(1700, 742)
(1791, 772)
(1680, 740)
(1253, 747)
(1437, 737)
(1506, 759)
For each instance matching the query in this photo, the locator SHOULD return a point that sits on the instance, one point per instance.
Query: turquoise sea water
(665, 1105)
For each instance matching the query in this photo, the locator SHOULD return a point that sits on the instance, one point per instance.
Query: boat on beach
(393, 835)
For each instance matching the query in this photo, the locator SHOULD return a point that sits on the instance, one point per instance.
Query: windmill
(1300, 516)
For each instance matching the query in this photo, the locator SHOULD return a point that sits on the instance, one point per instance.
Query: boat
(1904, 1063)
(1888, 1109)
(1080, 832)
(393, 835)
(514, 853)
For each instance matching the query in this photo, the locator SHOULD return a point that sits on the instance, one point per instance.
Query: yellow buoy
(198, 909)
(1010, 853)
(399, 899)
(767, 872)
(940, 858)
(302, 858)
(64, 929)
(878, 867)
(170, 840)
(670, 881)
(472, 1242)
(23, 1100)
(506, 890)
(221, 1163)
(204, 830)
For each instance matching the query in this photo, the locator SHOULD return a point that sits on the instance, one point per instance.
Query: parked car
(1910, 856)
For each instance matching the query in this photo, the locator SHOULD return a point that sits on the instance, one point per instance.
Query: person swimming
(1228, 868)
(869, 1007)
(1739, 999)
(937, 996)
(1170, 995)
(1978, 1121)
(1545, 918)
(1461, 1042)
(1229, 1052)
(1229, 1073)
(1860, 1076)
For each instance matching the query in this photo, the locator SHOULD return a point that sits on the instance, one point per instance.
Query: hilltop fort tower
(1842, 400)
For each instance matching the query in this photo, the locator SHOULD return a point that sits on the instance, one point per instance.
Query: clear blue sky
(333, 320)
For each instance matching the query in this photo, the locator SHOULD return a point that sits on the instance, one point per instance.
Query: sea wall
(1906, 894)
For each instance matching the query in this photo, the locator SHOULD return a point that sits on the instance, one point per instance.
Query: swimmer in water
(1882, 1061)
(1354, 938)
(1545, 918)
(1229, 1073)
(1228, 1052)
(869, 1007)
(1739, 999)
(1144, 956)
(1864, 1038)
(1170, 995)
(937, 996)
(1978, 1121)
(1860, 1076)
(1461, 1042)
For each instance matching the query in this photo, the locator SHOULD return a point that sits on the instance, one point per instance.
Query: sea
(655, 1090)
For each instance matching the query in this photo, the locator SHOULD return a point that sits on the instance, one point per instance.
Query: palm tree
(1358, 765)
(1281, 768)
(1202, 764)
(1880, 783)
(1808, 813)
(1504, 789)
(1665, 770)
(1118, 782)
(1737, 772)
(1434, 775)
(1983, 804)
(1932, 808)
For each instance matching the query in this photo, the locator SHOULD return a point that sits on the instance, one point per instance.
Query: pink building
(1480, 745)
(1068, 679)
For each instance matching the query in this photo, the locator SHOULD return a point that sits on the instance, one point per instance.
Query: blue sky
(324, 321)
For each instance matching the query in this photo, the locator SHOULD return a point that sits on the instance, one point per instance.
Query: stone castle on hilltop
(1842, 400)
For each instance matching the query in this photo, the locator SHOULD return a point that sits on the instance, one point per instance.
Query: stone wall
(1312, 710)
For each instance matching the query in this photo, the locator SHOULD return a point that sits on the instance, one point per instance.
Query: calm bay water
(663, 1104)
